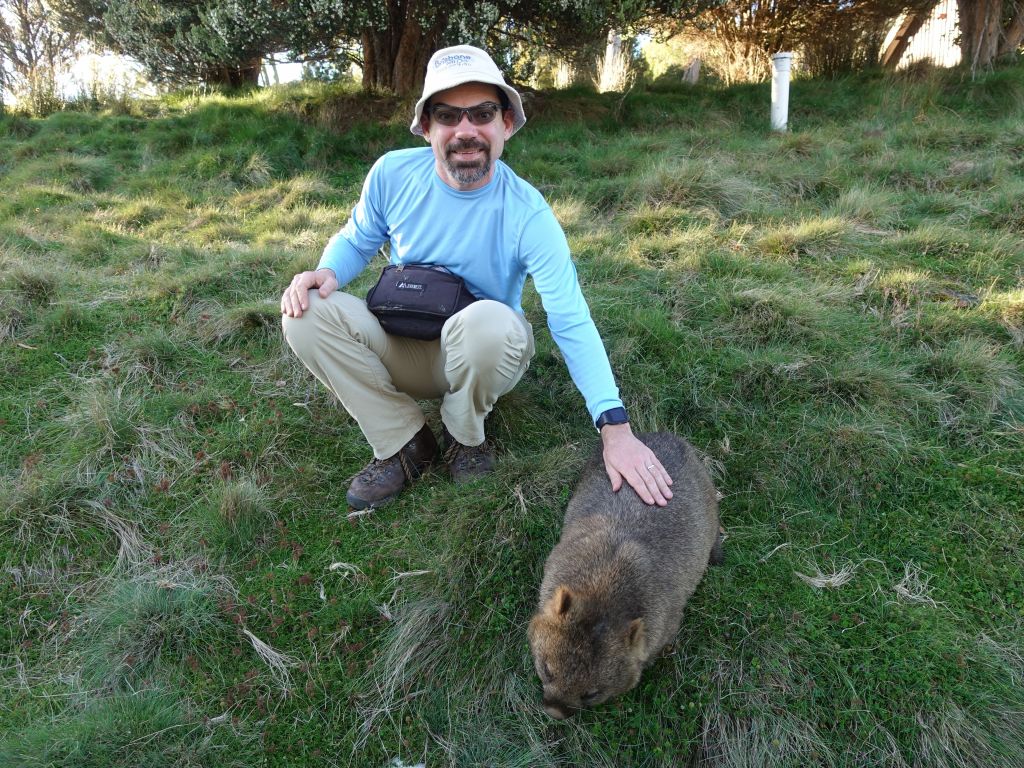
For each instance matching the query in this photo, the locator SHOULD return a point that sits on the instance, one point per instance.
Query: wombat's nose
(557, 710)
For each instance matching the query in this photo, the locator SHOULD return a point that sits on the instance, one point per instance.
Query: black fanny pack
(414, 300)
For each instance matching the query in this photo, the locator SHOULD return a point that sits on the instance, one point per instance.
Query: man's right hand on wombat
(634, 461)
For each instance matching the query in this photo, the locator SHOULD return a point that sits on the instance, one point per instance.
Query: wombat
(616, 583)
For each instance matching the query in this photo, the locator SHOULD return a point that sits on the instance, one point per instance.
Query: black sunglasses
(481, 114)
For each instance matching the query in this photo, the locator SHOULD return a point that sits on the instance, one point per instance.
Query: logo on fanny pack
(404, 286)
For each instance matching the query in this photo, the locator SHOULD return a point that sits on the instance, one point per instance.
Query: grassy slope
(833, 316)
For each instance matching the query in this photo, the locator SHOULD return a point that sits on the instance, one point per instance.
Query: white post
(780, 90)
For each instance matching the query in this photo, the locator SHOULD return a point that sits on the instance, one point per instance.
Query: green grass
(833, 316)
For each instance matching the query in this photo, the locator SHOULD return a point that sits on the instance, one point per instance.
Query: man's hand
(295, 299)
(626, 458)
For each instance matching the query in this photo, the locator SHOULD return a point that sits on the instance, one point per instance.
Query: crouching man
(455, 205)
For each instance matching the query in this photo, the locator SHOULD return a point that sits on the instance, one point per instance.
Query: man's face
(465, 153)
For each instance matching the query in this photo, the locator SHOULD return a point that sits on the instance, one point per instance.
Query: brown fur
(616, 583)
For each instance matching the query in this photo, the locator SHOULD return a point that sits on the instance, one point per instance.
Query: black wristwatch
(612, 416)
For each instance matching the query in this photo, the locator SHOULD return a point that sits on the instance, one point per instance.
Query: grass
(833, 317)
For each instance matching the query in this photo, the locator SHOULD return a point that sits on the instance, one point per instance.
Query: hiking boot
(467, 462)
(383, 479)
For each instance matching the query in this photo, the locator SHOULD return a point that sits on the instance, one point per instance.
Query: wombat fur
(616, 583)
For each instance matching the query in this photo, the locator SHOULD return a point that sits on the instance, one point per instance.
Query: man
(455, 205)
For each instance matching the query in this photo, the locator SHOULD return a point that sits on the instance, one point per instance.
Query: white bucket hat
(460, 64)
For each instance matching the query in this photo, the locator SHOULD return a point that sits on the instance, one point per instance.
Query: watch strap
(612, 416)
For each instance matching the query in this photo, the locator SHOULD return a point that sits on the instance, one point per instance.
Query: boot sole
(356, 503)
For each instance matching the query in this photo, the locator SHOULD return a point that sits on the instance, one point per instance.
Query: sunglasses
(481, 114)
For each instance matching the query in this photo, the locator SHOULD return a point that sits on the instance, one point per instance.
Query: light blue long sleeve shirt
(492, 237)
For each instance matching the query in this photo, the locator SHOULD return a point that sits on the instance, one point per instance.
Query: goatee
(467, 172)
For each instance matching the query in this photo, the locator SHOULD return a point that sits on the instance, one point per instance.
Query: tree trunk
(247, 73)
(1014, 34)
(980, 27)
(395, 58)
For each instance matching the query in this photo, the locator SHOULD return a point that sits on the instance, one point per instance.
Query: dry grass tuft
(845, 456)
(34, 283)
(415, 648)
(1008, 307)
(132, 551)
(37, 506)
(133, 215)
(782, 741)
(153, 348)
(258, 170)
(282, 375)
(820, 238)
(861, 380)
(956, 738)
(768, 314)
(977, 379)
(868, 207)
(103, 415)
(278, 663)
(833, 580)
(241, 323)
(243, 511)
(913, 587)
(14, 310)
(308, 190)
(151, 726)
(571, 212)
(699, 185)
(731, 740)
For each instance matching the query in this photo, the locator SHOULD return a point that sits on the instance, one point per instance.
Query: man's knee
(486, 334)
(300, 332)
(339, 312)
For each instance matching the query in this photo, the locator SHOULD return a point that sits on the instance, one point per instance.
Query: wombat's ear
(635, 635)
(560, 602)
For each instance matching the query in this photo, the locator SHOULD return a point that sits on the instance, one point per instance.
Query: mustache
(461, 145)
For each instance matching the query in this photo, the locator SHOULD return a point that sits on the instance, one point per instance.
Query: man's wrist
(613, 416)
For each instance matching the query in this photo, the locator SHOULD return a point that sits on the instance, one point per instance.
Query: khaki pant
(483, 352)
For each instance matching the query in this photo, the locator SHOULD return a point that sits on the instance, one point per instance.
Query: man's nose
(465, 125)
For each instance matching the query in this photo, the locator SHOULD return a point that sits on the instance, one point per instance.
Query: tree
(183, 41)
(576, 31)
(832, 36)
(33, 50)
(180, 41)
(989, 30)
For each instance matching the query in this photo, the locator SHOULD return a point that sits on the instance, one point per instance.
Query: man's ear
(507, 119)
(425, 125)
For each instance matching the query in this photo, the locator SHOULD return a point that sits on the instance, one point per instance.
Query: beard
(463, 171)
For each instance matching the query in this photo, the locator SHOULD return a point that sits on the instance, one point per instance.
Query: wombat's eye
(591, 696)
